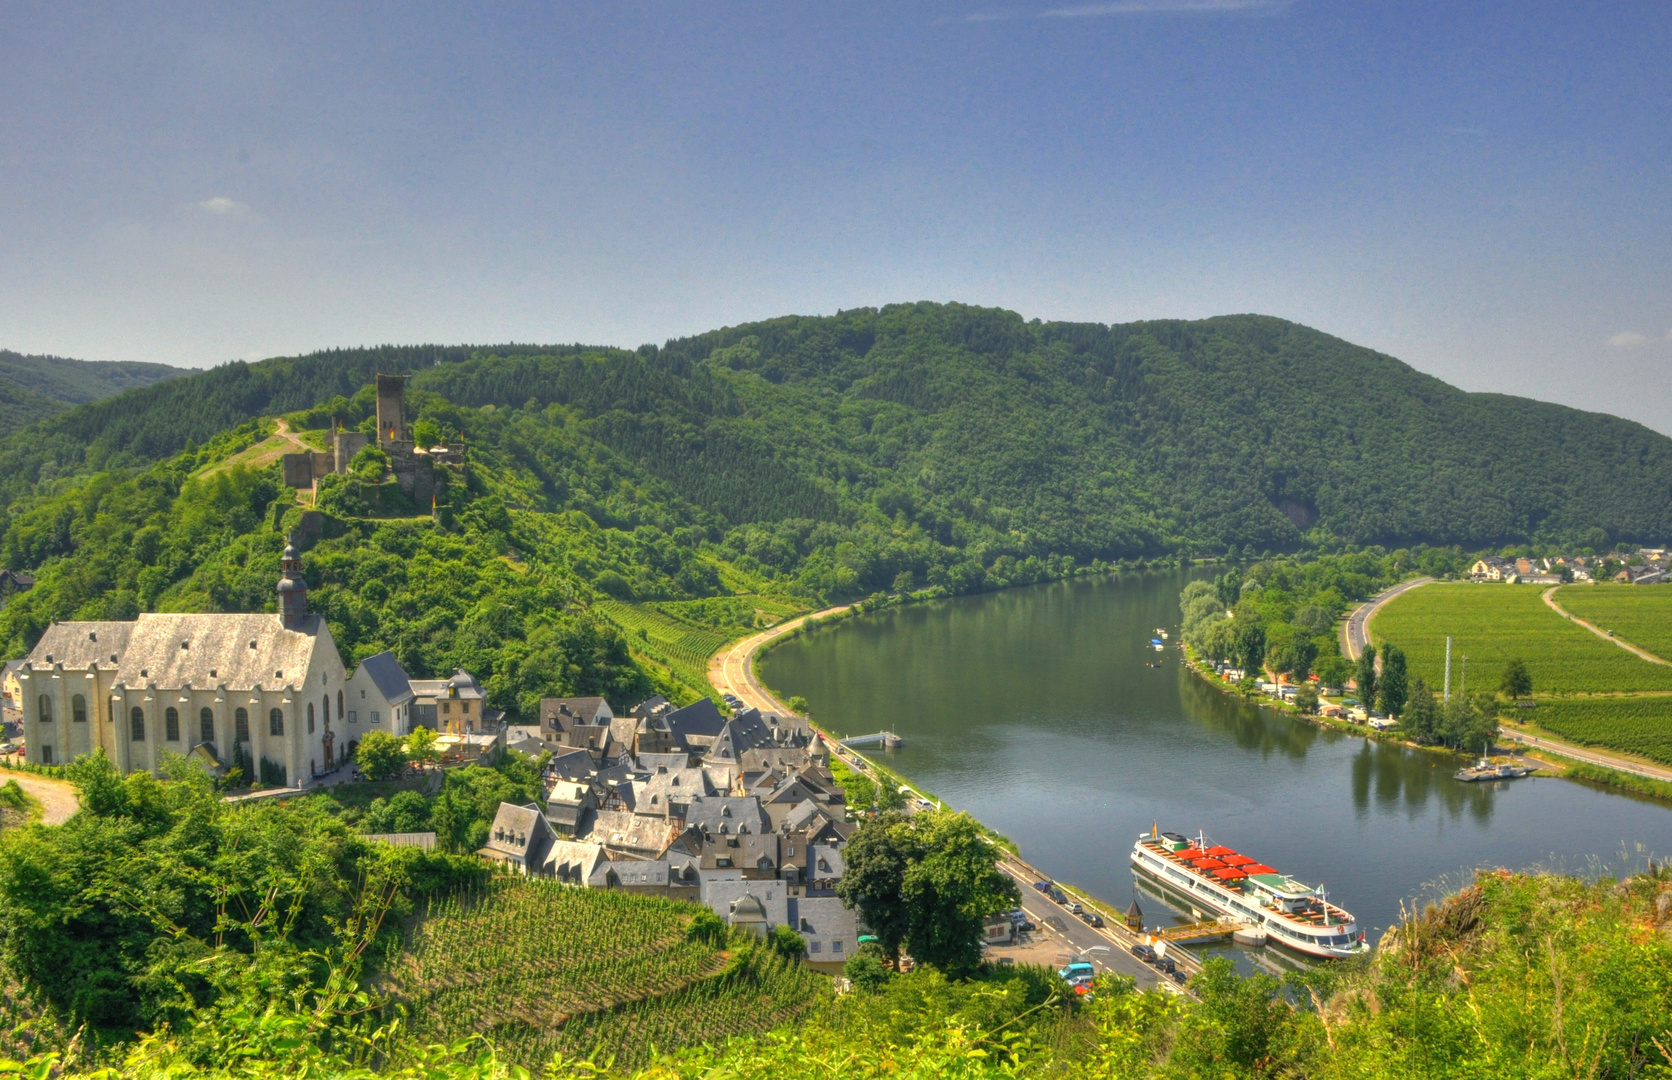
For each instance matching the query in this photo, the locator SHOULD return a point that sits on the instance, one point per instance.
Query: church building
(267, 689)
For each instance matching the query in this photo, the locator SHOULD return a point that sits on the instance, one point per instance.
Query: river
(1034, 710)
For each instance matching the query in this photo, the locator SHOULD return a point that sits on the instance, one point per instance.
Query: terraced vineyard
(1636, 725)
(1493, 624)
(1641, 614)
(541, 967)
(678, 646)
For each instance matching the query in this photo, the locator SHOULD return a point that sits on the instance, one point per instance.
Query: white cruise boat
(1221, 880)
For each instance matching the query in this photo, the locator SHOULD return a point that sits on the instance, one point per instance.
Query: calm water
(1033, 709)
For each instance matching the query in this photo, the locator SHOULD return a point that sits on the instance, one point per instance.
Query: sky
(1483, 190)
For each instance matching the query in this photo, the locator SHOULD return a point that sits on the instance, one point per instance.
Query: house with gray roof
(575, 862)
(754, 906)
(832, 930)
(727, 816)
(380, 696)
(519, 838)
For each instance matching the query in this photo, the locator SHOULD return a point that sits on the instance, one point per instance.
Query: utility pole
(1447, 695)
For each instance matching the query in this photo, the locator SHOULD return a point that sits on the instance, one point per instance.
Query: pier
(885, 739)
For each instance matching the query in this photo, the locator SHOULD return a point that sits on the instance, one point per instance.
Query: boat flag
(1154, 829)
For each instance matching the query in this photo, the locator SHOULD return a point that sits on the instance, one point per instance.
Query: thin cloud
(1628, 339)
(1166, 7)
(221, 205)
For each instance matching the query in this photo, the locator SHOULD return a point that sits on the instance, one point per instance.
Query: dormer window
(252, 643)
(92, 635)
(185, 644)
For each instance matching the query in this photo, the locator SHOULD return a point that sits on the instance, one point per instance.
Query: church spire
(293, 587)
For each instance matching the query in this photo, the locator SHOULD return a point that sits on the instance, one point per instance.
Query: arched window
(206, 725)
(46, 709)
(340, 713)
(78, 709)
(310, 718)
(171, 724)
(241, 725)
(136, 719)
(275, 722)
(325, 710)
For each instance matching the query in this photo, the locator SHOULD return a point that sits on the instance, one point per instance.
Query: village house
(519, 839)
(380, 696)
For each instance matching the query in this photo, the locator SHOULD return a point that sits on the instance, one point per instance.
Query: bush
(867, 973)
(787, 943)
(380, 756)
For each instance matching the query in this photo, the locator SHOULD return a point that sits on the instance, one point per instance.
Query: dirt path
(57, 797)
(1355, 632)
(732, 669)
(1550, 601)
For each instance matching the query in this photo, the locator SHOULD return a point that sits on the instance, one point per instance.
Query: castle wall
(348, 443)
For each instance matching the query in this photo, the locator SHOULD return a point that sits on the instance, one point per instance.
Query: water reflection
(1034, 709)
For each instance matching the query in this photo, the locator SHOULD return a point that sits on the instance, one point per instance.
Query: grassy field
(1493, 624)
(1641, 614)
(1636, 725)
(540, 968)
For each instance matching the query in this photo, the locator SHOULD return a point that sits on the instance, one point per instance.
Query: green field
(1640, 614)
(1636, 725)
(1493, 624)
(540, 967)
(679, 647)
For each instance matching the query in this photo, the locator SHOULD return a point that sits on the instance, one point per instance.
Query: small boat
(1163, 635)
(1155, 643)
(1486, 770)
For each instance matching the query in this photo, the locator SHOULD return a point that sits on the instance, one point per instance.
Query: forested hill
(35, 387)
(980, 427)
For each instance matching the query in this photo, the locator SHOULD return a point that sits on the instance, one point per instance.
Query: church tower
(293, 588)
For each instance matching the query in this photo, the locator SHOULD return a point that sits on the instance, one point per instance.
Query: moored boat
(1486, 770)
(1226, 882)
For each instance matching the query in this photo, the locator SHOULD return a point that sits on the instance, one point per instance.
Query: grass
(1640, 614)
(1636, 725)
(541, 967)
(1493, 624)
(17, 807)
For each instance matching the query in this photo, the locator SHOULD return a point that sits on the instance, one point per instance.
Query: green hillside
(543, 968)
(33, 388)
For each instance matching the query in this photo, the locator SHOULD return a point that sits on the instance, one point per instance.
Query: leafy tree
(380, 756)
(1516, 682)
(1366, 676)
(1250, 645)
(867, 972)
(1393, 689)
(1334, 670)
(402, 812)
(798, 705)
(1421, 717)
(927, 881)
(420, 746)
(1306, 698)
(786, 943)
(426, 433)
(1315, 621)
(369, 465)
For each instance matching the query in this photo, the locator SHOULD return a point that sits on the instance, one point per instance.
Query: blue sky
(1483, 190)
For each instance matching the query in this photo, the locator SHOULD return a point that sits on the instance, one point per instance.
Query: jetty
(885, 739)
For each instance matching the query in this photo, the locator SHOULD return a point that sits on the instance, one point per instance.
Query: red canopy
(1229, 873)
(1236, 860)
(1206, 864)
(1220, 849)
(1257, 868)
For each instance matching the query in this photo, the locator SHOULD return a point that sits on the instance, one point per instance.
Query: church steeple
(293, 588)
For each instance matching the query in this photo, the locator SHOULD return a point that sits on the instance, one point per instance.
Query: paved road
(1550, 601)
(732, 669)
(1355, 632)
(1587, 754)
(57, 797)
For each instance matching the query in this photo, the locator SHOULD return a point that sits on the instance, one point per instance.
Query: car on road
(1056, 895)
(1092, 918)
(1144, 953)
(1167, 966)
(1043, 886)
(1074, 908)
(1079, 969)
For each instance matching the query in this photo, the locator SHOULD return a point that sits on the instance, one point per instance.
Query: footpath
(1108, 947)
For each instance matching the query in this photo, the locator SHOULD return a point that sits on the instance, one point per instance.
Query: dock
(885, 739)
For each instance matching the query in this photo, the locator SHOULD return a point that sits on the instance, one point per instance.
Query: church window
(339, 704)
(136, 720)
(206, 725)
(275, 722)
(46, 709)
(241, 725)
(171, 724)
(326, 706)
(310, 718)
(78, 709)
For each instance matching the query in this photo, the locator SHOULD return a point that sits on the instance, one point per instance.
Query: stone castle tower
(391, 411)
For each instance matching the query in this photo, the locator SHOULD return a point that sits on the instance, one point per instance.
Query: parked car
(1144, 953)
(1057, 895)
(1043, 886)
(1092, 918)
(1079, 969)
(1074, 908)
(1166, 965)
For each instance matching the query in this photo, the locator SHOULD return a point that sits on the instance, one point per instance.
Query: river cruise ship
(1219, 879)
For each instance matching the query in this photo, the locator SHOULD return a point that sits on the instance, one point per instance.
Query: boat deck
(1330, 917)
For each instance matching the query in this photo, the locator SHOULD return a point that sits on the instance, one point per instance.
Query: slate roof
(727, 815)
(240, 652)
(462, 685)
(624, 831)
(720, 893)
(573, 861)
(519, 833)
(389, 677)
(698, 720)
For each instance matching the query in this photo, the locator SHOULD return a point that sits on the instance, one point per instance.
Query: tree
(867, 972)
(798, 705)
(1334, 670)
(1306, 697)
(786, 943)
(1367, 676)
(928, 882)
(1315, 621)
(426, 433)
(420, 746)
(380, 755)
(1421, 717)
(1393, 690)
(1517, 681)
(1250, 644)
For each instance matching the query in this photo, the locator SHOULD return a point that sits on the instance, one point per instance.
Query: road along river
(1034, 709)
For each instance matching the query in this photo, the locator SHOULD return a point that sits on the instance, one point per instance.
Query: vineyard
(1636, 725)
(541, 967)
(1493, 624)
(1640, 614)
(678, 646)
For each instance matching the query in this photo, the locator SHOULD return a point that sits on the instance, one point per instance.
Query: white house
(379, 697)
